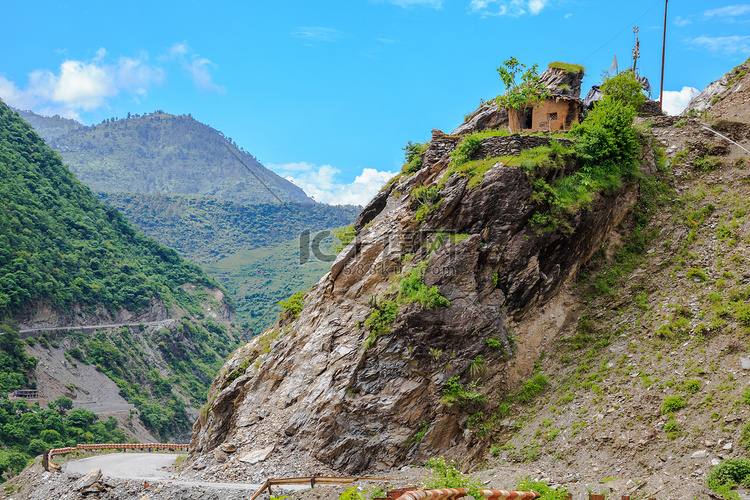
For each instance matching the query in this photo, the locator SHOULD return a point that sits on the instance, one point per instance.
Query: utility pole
(663, 53)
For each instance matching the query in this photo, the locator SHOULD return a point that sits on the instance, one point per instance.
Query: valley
(544, 306)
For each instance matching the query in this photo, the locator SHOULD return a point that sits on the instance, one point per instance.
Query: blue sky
(328, 92)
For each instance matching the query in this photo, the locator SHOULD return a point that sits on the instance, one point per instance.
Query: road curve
(149, 467)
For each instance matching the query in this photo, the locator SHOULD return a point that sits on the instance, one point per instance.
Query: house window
(551, 117)
(528, 118)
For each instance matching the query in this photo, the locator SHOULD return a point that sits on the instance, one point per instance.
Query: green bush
(673, 403)
(411, 288)
(344, 235)
(413, 157)
(624, 88)
(531, 388)
(446, 475)
(293, 305)
(380, 320)
(729, 473)
(547, 493)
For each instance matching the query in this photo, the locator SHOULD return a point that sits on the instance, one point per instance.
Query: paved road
(89, 327)
(149, 467)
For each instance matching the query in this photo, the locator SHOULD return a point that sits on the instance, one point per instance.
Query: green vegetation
(344, 235)
(204, 229)
(567, 67)
(27, 431)
(413, 156)
(293, 305)
(548, 493)
(446, 475)
(455, 392)
(607, 150)
(258, 279)
(380, 320)
(193, 351)
(59, 244)
(673, 403)
(624, 88)
(14, 362)
(411, 288)
(159, 152)
(729, 474)
(531, 388)
(529, 91)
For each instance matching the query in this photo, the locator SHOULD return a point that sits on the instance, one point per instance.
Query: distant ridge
(162, 153)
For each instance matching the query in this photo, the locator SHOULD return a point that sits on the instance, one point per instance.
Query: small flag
(614, 65)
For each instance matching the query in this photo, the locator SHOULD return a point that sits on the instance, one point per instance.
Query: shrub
(345, 235)
(411, 288)
(293, 305)
(529, 91)
(729, 473)
(413, 157)
(446, 475)
(673, 403)
(547, 493)
(455, 392)
(380, 321)
(624, 88)
(531, 388)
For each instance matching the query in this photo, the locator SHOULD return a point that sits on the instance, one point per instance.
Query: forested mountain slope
(163, 153)
(68, 259)
(204, 229)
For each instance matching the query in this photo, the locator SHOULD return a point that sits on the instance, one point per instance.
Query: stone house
(558, 112)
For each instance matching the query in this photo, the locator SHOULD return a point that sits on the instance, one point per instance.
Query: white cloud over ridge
(507, 7)
(675, 101)
(86, 85)
(82, 86)
(322, 183)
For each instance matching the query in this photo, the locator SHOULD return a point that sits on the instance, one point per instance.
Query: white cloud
(434, 4)
(322, 183)
(726, 45)
(730, 12)
(675, 101)
(507, 7)
(198, 67)
(82, 86)
(679, 21)
(317, 33)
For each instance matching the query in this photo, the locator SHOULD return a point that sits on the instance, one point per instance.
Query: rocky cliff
(369, 377)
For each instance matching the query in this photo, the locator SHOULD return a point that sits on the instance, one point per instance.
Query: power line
(621, 32)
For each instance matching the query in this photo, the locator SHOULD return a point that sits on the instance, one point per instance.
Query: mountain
(99, 304)
(577, 305)
(162, 153)
(204, 229)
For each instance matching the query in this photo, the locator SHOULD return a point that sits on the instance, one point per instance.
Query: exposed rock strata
(309, 385)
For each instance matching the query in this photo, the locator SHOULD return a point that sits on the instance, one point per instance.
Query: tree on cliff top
(529, 91)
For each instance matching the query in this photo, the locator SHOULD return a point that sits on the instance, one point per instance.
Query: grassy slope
(258, 279)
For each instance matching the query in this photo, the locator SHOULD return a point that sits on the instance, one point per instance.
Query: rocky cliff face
(357, 385)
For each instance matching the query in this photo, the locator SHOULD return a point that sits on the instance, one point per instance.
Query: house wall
(555, 114)
(552, 114)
